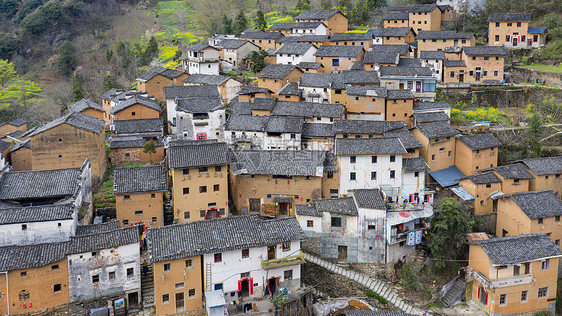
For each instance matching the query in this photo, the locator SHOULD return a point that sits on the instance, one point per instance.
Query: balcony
(403, 235)
(203, 59)
(283, 262)
(500, 283)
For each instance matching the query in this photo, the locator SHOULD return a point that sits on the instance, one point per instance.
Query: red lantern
(287, 182)
(275, 181)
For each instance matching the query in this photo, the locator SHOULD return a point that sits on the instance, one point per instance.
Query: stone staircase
(455, 292)
(147, 288)
(375, 285)
(168, 209)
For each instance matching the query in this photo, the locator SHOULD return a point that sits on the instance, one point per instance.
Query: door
(180, 306)
(245, 287)
(212, 214)
(133, 299)
(477, 78)
(342, 253)
(418, 86)
(272, 285)
(515, 38)
(284, 208)
(483, 296)
(271, 252)
(255, 206)
(469, 291)
(461, 78)
(401, 86)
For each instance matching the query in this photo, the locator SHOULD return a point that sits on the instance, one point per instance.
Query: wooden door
(342, 253)
(271, 252)
(255, 205)
(461, 78)
(180, 302)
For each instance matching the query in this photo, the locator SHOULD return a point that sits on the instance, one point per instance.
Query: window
(543, 291)
(57, 288)
(288, 275)
(516, 270)
(485, 73)
(373, 175)
(130, 273)
(179, 285)
(488, 186)
(188, 263)
(352, 176)
(540, 221)
(557, 218)
(392, 158)
(557, 242)
(191, 293)
(452, 74)
(518, 24)
(496, 73)
(125, 222)
(449, 154)
(185, 172)
(245, 253)
(218, 169)
(153, 195)
(165, 298)
(352, 159)
(433, 157)
(215, 187)
(202, 213)
(218, 257)
(497, 24)
(286, 246)
(506, 39)
(133, 113)
(24, 227)
(186, 215)
(392, 174)
(203, 189)
(54, 267)
(336, 221)
(309, 223)
(138, 212)
(524, 296)
(185, 191)
(167, 267)
(203, 170)
(497, 38)
(509, 24)
(94, 253)
(334, 191)
(24, 295)
(545, 264)
(60, 156)
(335, 62)
(95, 278)
(154, 219)
(503, 299)
(23, 274)
(126, 197)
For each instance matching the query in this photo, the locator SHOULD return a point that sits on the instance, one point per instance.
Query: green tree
(535, 133)
(77, 82)
(108, 54)
(150, 52)
(344, 5)
(326, 4)
(258, 60)
(241, 23)
(447, 235)
(179, 53)
(149, 147)
(7, 71)
(67, 61)
(303, 5)
(260, 22)
(227, 25)
(8, 45)
(108, 82)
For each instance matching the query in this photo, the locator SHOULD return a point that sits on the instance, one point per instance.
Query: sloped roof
(135, 100)
(399, 94)
(316, 80)
(409, 62)
(438, 130)
(316, 14)
(232, 43)
(97, 228)
(414, 164)
(309, 65)
(106, 240)
(259, 34)
(154, 125)
(278, 162)
(249, 123)
(344, 79)
(85, 104)
(197, 91)
(291, 88)
(75, 119)
(198, 47)
(406, 137)
(337, 37)
(307, 210)
(479, 141)
(199, 105)
(454, 63)
(198, 155)
(214, 80)
(338, 51)
(485, 50)
(366, 127)
(16, 122)
(31, 256)
(388, 71)
(341, 206)
(396, 16)
(369, 198)
(168, 73)
(139, 180)
(308, 109)
(432, 54)
(302, 38)
(509, 17)
(251, 90)
(380, 92)
(536, 30)
(369, 146)
(427, 105)
(136, 141)
(42, 213)
(428, 117)
(317, 130)
(544, 166)
(517, 249)
(513, 171)
(220, 235)
(537, 204)
(37, 184)
(396, 31)
(284, 124)
(276, 71)
(484, 178)
(294, 48)
(443, 35)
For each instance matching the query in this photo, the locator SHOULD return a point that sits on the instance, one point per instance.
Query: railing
(282, 262)
(402, 236)
(203, 59)
(502, 282)
(405, 206)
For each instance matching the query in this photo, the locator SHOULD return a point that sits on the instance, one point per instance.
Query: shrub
(376, 295)
(409, 276)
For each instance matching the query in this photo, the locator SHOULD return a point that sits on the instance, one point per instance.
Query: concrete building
(419, 80)
(433, 60)
(265, 40)
(295, 53)
(228, 87)
(201, 59)
(233, 51)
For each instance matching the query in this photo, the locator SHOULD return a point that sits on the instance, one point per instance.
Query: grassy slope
(544, 68)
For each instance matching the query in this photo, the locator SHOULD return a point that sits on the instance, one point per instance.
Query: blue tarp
(536, 30)
(448, 176)
(462, 193)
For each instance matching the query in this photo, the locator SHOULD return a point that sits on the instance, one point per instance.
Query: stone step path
(374, 285)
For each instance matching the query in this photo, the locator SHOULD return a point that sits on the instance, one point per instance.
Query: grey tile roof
(16, 134)
(85, 104)
(198, 155)
(168, 73)
(479, 141)
(42, 213)
(139, 180)
(316, 80)
(443, 35)
(97, 228)
(291, 88)
(309, 65)
(278, 162)
(537, 204)
(365, 126)
(24, 144)
(294, 48)
(263, 103)
(294, 25)
(78, 120)
(544, 166)
(135, 100)
(199, 105)
(369, 146)
(276, 71)
(214, 80)
(432, 54)
(423, 7)
(409, 62)
(284, 124)
(4, 145)
(247, 123)
(220, 235)
(384, 54)
(438, 130)
(132, 142)
(16, 122)
(374, 313)
(509, 17)
(303, 39)
(317, 130)
(421, 106)
(337, 37)
(316, 14)
(414, 164)
(197, 47)
(518, 249)
(396, 31)
(308, 109)
(199, 91)
(307, 210)
(355, 77)
(369, 198)
(31, 256)
(39, 184)
(343, 206)
(428, 117)
(399, 94)
(454, 63)
(396, 16)
(109, 94)
(513, 171)
(484, 178)
(387, 71)
(485, 51)
(232, 43)
(252, 90)
(261, 35)
(338, 51)
(106, 240)
(330, 162)
(357, 65)
(406, 137)
(138, 126)
(380, 92)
